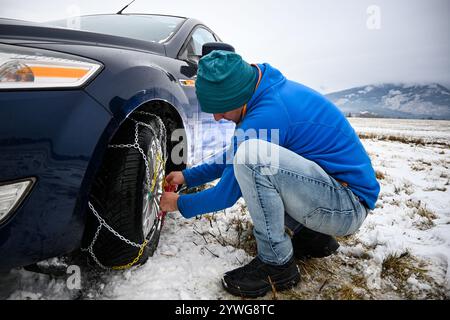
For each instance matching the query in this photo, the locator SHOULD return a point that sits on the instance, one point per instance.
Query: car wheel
(126, 195)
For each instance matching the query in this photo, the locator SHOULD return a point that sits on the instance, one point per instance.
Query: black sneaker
(311, 244)
(256, 278)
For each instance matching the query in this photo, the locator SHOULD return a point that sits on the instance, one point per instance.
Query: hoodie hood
(270, 77)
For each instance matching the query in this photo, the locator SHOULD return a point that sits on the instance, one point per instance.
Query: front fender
(124, 92)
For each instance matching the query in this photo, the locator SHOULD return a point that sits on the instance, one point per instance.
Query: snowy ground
(401, 252)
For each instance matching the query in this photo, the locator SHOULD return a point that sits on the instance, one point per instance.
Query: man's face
(233, 115)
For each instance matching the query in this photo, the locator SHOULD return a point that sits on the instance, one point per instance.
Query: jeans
(282, 188)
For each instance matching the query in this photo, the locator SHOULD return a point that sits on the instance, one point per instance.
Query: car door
(210, 136)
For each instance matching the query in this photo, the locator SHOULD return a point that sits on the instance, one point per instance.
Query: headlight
(29, 68)
(12, 194)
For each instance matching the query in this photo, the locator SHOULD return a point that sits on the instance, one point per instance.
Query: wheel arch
(173, 121)
(161, 107)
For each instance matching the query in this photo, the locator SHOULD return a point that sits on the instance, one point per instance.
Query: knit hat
(224, 82)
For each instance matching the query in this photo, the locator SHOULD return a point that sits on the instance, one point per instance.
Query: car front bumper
(55, 138)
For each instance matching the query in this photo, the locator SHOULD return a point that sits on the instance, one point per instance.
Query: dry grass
(341, 277)
(427, 163)
(295, 295)
(238, 232)
(436, 188)
(347, 292)
(243, 227)
(350, 240)
(395, 202)
(316, 275)
(406, 187)
(422, 210)
(402, 139)
(398, 268)
(426, 213)
(245, 239)
(311, 267)
(385, 137)
(360, 281)
(417, 167)
(344, 286)
(380, 175)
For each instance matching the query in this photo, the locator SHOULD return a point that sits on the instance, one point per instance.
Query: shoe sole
(279, 286)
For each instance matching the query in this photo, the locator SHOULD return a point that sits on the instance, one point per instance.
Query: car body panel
(59, 136)
(55, 145)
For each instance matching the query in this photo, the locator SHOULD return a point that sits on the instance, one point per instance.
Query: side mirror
(211, 46)
(190, 70)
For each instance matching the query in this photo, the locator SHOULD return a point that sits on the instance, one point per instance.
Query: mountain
(411, 101)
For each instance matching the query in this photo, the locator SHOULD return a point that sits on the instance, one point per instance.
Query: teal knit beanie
(224, 82)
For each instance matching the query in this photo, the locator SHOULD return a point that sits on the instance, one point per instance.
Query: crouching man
(315, 178)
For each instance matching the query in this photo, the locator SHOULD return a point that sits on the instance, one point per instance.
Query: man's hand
(175, 178)
(168, 202)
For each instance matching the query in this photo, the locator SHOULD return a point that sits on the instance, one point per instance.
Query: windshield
(151, 28)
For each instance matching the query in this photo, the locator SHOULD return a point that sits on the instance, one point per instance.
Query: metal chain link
(149, 186)
(90, 249)
(110, 229)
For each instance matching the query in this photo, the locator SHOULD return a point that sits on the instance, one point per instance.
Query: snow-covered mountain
(412, 101)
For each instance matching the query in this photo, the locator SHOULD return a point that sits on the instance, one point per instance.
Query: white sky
(324, 44)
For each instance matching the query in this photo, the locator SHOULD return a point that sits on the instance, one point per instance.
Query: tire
(119, 195)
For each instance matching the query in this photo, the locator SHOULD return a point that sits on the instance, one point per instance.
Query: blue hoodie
(308, 124)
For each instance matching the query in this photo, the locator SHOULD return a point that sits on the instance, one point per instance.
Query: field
(402, 250)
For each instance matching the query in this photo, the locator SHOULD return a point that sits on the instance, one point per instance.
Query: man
(315, 177)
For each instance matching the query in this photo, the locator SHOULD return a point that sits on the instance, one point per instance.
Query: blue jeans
(282, 188)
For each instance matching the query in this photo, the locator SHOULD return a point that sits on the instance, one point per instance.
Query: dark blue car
(93, 111)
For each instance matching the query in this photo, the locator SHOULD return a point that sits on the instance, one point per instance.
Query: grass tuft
(400, 267)
(402, 139)
(380, 175)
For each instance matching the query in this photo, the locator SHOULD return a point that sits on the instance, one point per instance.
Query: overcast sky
(328, 45)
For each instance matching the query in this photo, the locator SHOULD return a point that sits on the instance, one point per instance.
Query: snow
(181, 269)
(428, 130)
(341, 101)
(412, 216)
(412, 103)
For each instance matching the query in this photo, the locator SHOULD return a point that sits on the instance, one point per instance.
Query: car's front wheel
(124, 221)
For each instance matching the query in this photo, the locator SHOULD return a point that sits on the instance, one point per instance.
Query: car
(94, 110)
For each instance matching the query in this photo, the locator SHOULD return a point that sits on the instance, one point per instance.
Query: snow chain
(150, 184)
